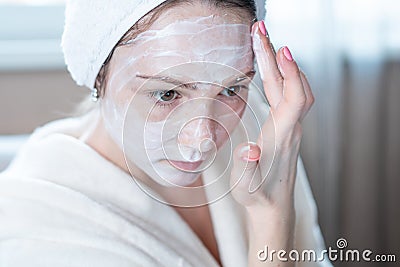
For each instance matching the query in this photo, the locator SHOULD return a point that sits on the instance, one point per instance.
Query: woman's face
(176, 92)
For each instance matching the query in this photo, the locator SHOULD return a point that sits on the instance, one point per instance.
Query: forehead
(186, 11)
(221, 47)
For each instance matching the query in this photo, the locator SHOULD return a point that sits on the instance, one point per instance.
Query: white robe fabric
(63, 204)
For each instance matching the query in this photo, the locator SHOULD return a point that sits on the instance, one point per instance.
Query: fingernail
(287, 53)
(250, 152)
(262, 28)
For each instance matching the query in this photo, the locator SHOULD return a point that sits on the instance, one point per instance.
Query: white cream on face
(201, 51)
(206, 39)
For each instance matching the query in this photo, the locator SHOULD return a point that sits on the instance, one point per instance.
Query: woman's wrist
(275, 219)
(270, 233)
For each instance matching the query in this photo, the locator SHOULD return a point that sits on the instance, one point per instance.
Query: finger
(245, 170)
(309, 95)
(293, 91)
(266, 60)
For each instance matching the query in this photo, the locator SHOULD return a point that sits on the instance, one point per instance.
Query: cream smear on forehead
(196, 39)
(147, 143)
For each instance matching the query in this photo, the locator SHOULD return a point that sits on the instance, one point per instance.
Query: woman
(172, 91)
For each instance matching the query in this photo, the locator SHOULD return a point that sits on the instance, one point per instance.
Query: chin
(182, 181)
(186, 179)
(168, 176)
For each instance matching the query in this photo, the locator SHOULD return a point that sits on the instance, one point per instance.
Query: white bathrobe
(63, 204)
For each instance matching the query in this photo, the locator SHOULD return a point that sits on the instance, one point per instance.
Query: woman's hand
(265, 190)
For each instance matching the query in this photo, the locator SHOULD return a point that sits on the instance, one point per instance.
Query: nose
(196, 132)
(197, 137)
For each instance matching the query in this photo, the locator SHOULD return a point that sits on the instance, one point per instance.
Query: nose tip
(197, 132)
(206, 145)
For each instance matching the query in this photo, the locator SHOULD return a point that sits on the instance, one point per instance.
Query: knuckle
(298, 102)
(311, 99)
(301, 101)
(277, 78)
(309, 103)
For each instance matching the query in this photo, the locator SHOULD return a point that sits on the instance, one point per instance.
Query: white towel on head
(94, 27)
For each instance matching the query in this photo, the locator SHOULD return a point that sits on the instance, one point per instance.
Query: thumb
(245, 172)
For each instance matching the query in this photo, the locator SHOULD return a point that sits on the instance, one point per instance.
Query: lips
(185, 165)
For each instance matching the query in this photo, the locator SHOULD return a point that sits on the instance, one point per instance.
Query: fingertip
(287, 54)
(286, 62)
(263, 29)
(254, 28)
(245, 164)
(250, 152)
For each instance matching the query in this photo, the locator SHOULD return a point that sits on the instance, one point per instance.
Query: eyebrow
(250, 74)
(190, 86)
(166, 79)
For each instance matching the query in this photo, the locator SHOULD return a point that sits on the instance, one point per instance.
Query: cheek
(239, 107)
(119, 90)
(225, 128)
(157, 112)
(128, 98)
(230, 121)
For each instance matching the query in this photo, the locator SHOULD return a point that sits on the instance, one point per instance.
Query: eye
(232, 90)
(166, 96)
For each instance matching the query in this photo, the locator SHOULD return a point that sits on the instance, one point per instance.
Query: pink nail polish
(251, 152)
(287, 53)
(263, 30)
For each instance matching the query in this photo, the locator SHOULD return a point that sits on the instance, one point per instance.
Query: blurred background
(350, 51)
